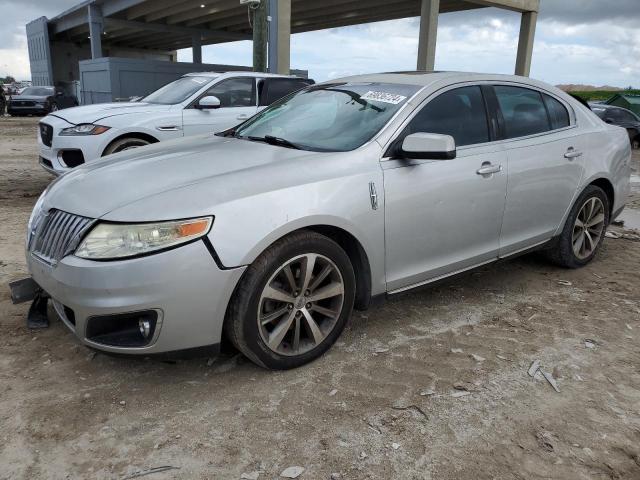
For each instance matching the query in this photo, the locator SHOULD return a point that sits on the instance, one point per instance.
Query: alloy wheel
(588, 228)
(300, 304)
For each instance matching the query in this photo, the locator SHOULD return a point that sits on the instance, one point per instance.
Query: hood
(226, 165)
(100, 111)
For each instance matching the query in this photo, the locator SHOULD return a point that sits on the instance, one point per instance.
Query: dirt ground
(431, 385)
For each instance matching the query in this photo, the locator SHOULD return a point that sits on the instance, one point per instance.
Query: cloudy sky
(578, 41)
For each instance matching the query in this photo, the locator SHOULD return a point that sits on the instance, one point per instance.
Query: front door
(237, 103)
(444, 216)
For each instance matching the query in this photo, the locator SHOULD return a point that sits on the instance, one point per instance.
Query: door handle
(572, 153)
(243, 116)
(488, 169)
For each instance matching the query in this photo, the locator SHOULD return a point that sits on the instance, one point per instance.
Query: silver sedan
(269, 234)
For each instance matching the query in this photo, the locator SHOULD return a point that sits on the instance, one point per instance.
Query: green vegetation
(601, 95)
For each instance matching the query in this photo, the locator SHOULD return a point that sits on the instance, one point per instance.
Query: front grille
(57, 234)
(46, 133)
(22, 103)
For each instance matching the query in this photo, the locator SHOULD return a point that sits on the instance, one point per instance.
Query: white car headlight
(84, 129)
(108, 241)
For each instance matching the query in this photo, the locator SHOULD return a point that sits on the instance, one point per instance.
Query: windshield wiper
(277, 141)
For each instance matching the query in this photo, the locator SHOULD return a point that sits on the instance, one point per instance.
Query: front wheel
(293, 301)
(124, 144)
(584, 230)
(635, 143)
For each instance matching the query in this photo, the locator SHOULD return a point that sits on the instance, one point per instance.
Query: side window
(523, 111)
(557, 112)
(619, 115)
(273, 89)
(460, 113)
(235, 92)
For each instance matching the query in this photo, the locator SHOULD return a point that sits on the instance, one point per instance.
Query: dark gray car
(622, 118)
(40, 101)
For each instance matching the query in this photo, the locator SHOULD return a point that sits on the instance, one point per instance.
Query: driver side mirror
(428, 146)
(208, 103)
(608, 120)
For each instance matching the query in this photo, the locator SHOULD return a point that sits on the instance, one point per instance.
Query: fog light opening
(145, 328)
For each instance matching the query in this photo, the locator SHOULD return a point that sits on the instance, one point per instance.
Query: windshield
(178, 91)
(333, 117)
(38, 91)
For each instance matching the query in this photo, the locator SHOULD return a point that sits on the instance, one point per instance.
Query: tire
(257, 338)
(635, 143)
(53, 107)
(564, 253)
(126, 143)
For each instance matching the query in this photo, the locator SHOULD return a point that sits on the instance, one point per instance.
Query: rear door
(238, 101)
(273, 89)
(443, 216)
(546, 154)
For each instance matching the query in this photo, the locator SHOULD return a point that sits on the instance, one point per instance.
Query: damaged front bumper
(177, 298)
(27, 290)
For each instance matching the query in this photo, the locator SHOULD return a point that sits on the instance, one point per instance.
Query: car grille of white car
(57, 234)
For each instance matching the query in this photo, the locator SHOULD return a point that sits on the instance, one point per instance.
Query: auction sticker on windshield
(384, 97)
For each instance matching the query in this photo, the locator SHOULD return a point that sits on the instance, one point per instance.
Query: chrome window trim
(478, 83)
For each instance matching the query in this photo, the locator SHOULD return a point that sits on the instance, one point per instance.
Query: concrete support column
(96, 27)
(280, 36)
(525, 44)
(260, 33)
(196, 45)
(428, 34)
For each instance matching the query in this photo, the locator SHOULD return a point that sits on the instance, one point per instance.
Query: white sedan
(194, 104)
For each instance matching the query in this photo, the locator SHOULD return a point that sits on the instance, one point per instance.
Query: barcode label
(384, 97)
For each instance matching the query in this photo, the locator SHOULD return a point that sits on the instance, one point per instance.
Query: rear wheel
(126, 143)
(584, 230)
(293, 301)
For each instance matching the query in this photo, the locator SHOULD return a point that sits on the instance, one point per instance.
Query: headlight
(115, 240)
(84, 129)
(36, 210)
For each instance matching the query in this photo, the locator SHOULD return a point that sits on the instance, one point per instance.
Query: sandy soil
(401, 396)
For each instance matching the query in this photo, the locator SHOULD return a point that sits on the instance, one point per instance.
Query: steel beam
(515, 5)
(162, 28)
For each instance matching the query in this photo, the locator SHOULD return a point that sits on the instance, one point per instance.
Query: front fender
(245, 228)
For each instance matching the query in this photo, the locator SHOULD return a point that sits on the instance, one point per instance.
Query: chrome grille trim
(58, 234)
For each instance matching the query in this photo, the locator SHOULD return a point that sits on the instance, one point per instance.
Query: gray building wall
(40, 55)
(111, 79)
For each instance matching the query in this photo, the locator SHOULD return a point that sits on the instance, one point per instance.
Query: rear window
(523, 110)
(557, 113)
(272, 89)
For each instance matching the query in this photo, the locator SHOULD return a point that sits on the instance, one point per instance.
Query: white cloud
(598, 53)
(14, 61)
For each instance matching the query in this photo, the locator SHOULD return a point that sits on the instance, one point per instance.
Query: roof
(428, 78)
(237, 74)
(171, 24)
